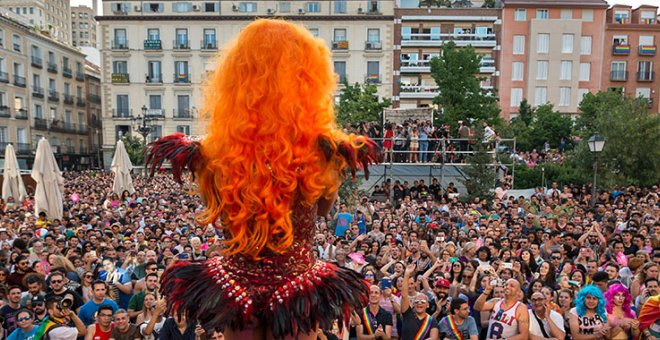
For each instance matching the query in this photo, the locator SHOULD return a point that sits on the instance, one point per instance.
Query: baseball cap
(37, 299)
(442, 283)
(385, 283)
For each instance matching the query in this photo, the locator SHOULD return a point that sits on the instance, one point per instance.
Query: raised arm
(405, 299)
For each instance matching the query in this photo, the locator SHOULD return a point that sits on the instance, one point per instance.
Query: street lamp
(596, 144)
(144, 125)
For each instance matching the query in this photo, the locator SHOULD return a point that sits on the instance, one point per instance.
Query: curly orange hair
(268, 104)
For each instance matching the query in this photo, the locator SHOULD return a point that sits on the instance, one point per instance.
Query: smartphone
(93, 252)
(183, 256)
(507, 265)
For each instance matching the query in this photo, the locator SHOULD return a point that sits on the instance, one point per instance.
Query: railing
(21, 114)
(82, 129)
(119, 44)
(182, 113)
(66, 71)
(120, 78)
(23, 148)
(154, 78)
(37, 62)
(19, 81)
(95, 123)
(153, 45)
(372, 78)
(4, 112)
(619, 75)
(209, 44)
(53, 96)
(4, 77)
(68, 99)
(80, 76)
(83, 150)
(341, 45)
(155, 113)
(37, 91)
(94, 98)
(373, 45)
(122, 113)
(181, 44)
(440, 38)
(181, 78)
(70, 149)
(80, 102)
(40, 123)
(418, 91)
(645, 76)
(52, 67)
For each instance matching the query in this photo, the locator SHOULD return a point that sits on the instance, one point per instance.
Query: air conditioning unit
(196, 8)
(234, 8)
(270, 11)
(301, 11)
(360, 10)
(138, 8)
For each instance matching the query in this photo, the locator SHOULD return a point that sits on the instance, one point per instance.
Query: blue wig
(592, 290)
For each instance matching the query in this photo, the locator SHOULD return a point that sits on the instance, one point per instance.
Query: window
(155, 102)
(585, 45)
(153, 34)
(183, 105)
(122, 105)
(185, 129)
(209, 38)
(520, 14)
(154, 7)
(567, 43)
(516, 96)
(313, 7)
(120, 37)
(340, 6)
(542, 70)
(181, 72)
(2, 37)
(540, 96)
(518, 44)
(52, 86)
(247, 7)
(373, 34)
(622, 17)
(38, 111)
(643, 92)
(566, 70)
(564, 96)
(618, 70)
(154, 72)
(339, 34)
(647, 17)
(181, 7)
(314, 31)
(620, 40)
(17, 42)
(340, 70)
(585, 71)
(543, 43)
(542, 14)
(4, 136)
(373, 71)
(285, 6)
(581, 94)
(120, 66)
(566, 14)
(182, 38)
(210, 7)
(646, 40)
(645, 70)
(518, 70)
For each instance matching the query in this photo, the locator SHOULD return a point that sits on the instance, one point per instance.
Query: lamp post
(596, 144)
(144, 126)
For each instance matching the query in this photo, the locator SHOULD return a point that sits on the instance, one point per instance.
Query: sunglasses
(56, 281)
(34, 304)
(420, 301)
(556, 258)
(106, 315)
(23, 319)
(89, 276)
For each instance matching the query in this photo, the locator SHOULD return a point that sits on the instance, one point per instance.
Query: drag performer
(271, 162)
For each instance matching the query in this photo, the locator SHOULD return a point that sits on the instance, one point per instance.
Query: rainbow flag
(648, 21)
(621, 49)
(647, 50)
(622, 20)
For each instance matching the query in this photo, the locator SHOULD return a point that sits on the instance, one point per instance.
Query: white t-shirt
(63, 333)
(535, 329)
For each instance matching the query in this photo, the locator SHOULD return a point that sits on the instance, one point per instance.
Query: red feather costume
(272, 157)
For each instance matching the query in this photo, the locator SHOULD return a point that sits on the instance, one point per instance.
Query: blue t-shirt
(343, 222)
(87, 311)
(124, 279)
(19, 334)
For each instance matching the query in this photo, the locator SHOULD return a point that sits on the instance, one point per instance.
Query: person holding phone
(544, 322)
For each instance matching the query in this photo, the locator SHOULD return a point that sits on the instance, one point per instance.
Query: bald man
(509, 318)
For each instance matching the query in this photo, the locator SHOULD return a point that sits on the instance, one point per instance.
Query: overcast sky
(633, 3)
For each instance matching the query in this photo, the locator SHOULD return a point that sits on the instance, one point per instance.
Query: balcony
(620, 49)
(4, 112)
(21, 114)
(209, 44)
(647, 50)
(37, 62)
(415, 66)
(153, 45)
(618, 75)
(341, 45)
(94, 98)
(66, 71)
(155, 113)
(154, 78)
(122, 113)
(182, 114)
(181, 78)
(120, 78)
(646, 76)
(4, 77)
(37, 91)
(80, 76)
(487, 65)
(17, 47)
(418, 91)
(52, 67)
(40, 124)
(23, 148)
(80, 102)
(372, 78)
(95, 123)
(19, 81)
(437, 39)
(373, 46)
(68, 99)
(53, 96)
(181, 44)
(119, 45)
(82, 129)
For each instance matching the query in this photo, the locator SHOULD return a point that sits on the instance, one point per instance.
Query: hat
(38, 299)
(385, 283)
(442, 283)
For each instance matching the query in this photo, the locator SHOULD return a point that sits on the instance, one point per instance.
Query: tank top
(503, 323)
(588, 325)
(100, 334)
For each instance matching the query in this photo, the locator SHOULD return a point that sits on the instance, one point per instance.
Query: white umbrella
(122, 166)
(50, 183)
(12, 182)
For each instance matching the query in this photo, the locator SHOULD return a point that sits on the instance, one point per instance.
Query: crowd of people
(438, 267)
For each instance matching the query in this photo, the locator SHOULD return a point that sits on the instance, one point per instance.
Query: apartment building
(156, 54)
(52, 16)
(41, 95)
(630, 60)
(94, 113)
(552, 52)
(83, 26)
(419, 34)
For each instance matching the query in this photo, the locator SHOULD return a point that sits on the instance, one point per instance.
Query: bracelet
(486, 293)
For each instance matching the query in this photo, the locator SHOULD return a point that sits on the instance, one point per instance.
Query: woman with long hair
(547, 274)
(86, 286)
(650, 269)
(621, 317)
(565, 303)
(588, 319)
(271, 161)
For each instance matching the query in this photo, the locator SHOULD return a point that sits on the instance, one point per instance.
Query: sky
(633, 3)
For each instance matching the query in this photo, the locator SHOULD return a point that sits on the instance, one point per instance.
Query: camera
(66, 303)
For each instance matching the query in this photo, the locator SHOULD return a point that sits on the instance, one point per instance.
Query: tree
(489, 4)
(435, 3)
(480, 173)
(359, 103)
(632, 139)
(534, 126)
(525, 112)
(135, 148)
(461, 96)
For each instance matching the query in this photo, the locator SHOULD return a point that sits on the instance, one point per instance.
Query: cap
(442, 283)
(38, 299)
(385, 283)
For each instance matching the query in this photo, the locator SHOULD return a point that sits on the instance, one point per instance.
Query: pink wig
(609, 297)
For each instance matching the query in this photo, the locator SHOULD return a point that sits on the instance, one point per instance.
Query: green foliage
(349, 191)
(359, 103)
(567, 173)
(534, 126)
(435, 3)
(480, 172)
(461, 97)
(632, 139)
(489, 4)
(135, 148)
